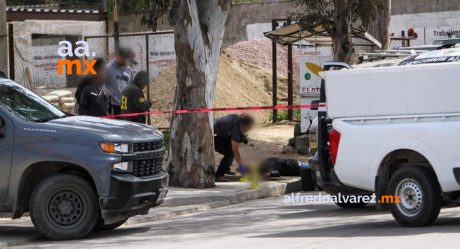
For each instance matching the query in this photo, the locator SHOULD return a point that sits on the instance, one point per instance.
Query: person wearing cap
(119, 76)
(133, 99)
(229, 132)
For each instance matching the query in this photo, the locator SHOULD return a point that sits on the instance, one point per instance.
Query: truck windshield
(27, 105)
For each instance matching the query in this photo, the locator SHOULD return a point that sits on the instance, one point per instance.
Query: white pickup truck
(392, 131)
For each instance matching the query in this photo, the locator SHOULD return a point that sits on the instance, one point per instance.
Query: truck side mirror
(315, 104)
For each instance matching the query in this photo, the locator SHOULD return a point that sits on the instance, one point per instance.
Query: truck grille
(148, 167)
(148, 146)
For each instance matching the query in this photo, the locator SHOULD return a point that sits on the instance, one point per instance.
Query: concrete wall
(431, 19)
(132, 23)
(400, 7)
(245, 21)
(40, 61)
(249, 20)
(429, 26)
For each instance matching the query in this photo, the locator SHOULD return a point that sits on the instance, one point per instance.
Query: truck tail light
(334, 141)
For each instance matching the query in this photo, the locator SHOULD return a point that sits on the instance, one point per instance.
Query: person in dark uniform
(133, 99)
(229, 133)
(92, 100)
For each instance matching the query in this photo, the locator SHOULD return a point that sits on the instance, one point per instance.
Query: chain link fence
(35, 66)
(154, 53)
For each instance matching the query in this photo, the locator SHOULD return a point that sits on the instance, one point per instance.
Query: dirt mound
(238, 84)
(259, 53)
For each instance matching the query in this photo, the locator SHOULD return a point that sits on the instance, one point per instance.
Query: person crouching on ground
(229, 134)
(93, 101)
(133, 99)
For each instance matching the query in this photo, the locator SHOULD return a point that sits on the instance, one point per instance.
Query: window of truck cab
(25, 104)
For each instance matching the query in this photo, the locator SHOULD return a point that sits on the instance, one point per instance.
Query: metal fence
(154, 53)
(35, 66)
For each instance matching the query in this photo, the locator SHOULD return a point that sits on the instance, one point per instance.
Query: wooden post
(147, 68)
(116, 33)
(403, 35)
(290, 83)
(290, 80)
(275, 76)
(105, 13)
(11, 50)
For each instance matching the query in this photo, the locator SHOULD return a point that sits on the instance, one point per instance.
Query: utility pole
(116, 34)
(3, 38)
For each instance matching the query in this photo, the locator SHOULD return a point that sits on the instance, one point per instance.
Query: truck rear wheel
(420, 196)
(64, 207)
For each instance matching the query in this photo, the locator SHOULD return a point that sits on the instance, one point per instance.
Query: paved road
(270, 223)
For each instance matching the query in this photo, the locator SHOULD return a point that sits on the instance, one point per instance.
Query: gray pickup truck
(74, 174)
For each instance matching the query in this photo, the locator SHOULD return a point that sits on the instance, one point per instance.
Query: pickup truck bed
(393, 131)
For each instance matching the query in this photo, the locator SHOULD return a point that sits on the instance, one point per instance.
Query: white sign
(310, 83)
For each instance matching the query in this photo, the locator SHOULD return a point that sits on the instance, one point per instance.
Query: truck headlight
(115, 148)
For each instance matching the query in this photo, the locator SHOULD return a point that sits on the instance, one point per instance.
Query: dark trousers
(116, 109)
(224, 147)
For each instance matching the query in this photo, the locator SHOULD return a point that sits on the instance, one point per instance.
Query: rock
(297, 130)
(288, 149)
(302, 144)
(291, 142)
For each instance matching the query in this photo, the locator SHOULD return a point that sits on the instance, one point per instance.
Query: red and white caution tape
(224, 109)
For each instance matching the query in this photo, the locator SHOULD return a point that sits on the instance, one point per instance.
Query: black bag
(285, 167)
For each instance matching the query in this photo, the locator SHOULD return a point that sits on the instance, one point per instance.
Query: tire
(420, 196)
(64, 207)
(350, 205)
(100, 226)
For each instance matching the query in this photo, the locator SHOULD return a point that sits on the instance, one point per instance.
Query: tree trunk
(199, 32)
(380, 28)
(341, 35)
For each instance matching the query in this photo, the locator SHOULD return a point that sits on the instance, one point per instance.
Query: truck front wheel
(418, 196)
(64, 207)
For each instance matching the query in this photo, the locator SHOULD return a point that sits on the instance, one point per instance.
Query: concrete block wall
(249, 20)
(431, 19)
(246, 14)
(400, 7)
